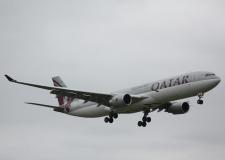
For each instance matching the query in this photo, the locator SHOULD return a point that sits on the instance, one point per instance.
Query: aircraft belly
(137, 107)
(129, 109)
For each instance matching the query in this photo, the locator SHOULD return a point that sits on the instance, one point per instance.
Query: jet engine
(178, 108)
(121, 100)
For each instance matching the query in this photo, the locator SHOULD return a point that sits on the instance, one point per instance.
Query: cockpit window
(210, 74)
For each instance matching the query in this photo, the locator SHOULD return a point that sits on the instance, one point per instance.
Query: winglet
(10, 79)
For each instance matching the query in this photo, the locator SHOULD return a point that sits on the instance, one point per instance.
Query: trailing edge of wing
(100, 98)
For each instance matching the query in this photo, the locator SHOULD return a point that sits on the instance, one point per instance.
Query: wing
(99, 98)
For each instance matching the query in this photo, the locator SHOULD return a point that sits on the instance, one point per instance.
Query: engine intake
(121, 100)
(178, 108)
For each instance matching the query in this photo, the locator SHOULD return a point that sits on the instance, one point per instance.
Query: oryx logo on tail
(64, 101)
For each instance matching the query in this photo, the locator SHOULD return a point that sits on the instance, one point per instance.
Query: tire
(148, 119)
(115, 115)
(110, 120)
(144, 124)
(106, 119)
(139, 123)
(200, 101)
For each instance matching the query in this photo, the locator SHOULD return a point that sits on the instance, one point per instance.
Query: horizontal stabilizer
(43, 105)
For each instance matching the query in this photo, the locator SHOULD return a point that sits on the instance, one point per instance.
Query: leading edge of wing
(55, 88)
(10, 79)
(100, 98)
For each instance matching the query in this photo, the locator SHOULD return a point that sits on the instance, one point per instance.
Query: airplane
(159, 95)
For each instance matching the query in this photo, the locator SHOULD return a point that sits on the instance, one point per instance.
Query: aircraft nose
(218, 79)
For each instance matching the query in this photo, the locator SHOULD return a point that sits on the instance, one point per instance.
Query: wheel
(144, 119)
(144, 124)
(148, 119)
(200, 101)
(140, 123)
(110, 120)
(106, 119)
(115, 115)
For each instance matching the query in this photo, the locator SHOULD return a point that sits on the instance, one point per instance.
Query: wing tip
(10, 79)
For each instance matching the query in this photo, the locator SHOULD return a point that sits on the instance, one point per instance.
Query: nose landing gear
(200, 101)
(200, 96)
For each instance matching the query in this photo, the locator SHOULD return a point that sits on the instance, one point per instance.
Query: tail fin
(57, 81)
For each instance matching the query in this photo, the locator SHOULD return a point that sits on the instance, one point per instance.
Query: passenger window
(209, 74)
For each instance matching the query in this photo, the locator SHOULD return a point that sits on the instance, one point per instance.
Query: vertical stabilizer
(57, 81)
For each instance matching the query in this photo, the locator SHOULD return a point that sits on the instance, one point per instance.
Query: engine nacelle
(121, 100)
(178, 108)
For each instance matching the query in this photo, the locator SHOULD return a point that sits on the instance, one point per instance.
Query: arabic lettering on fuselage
(170, 83)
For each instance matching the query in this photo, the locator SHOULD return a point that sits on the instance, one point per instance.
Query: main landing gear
(145, 119)
(200, 96)
(111, 117)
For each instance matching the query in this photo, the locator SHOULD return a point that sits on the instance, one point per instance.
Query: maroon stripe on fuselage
(61, 100)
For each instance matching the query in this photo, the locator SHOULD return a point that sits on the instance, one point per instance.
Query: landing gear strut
(145, 119)
(111, 117)
(200, 96)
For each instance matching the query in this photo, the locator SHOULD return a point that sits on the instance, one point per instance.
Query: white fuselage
(159, 92)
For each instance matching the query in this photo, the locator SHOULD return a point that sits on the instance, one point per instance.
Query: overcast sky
(103, 46)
